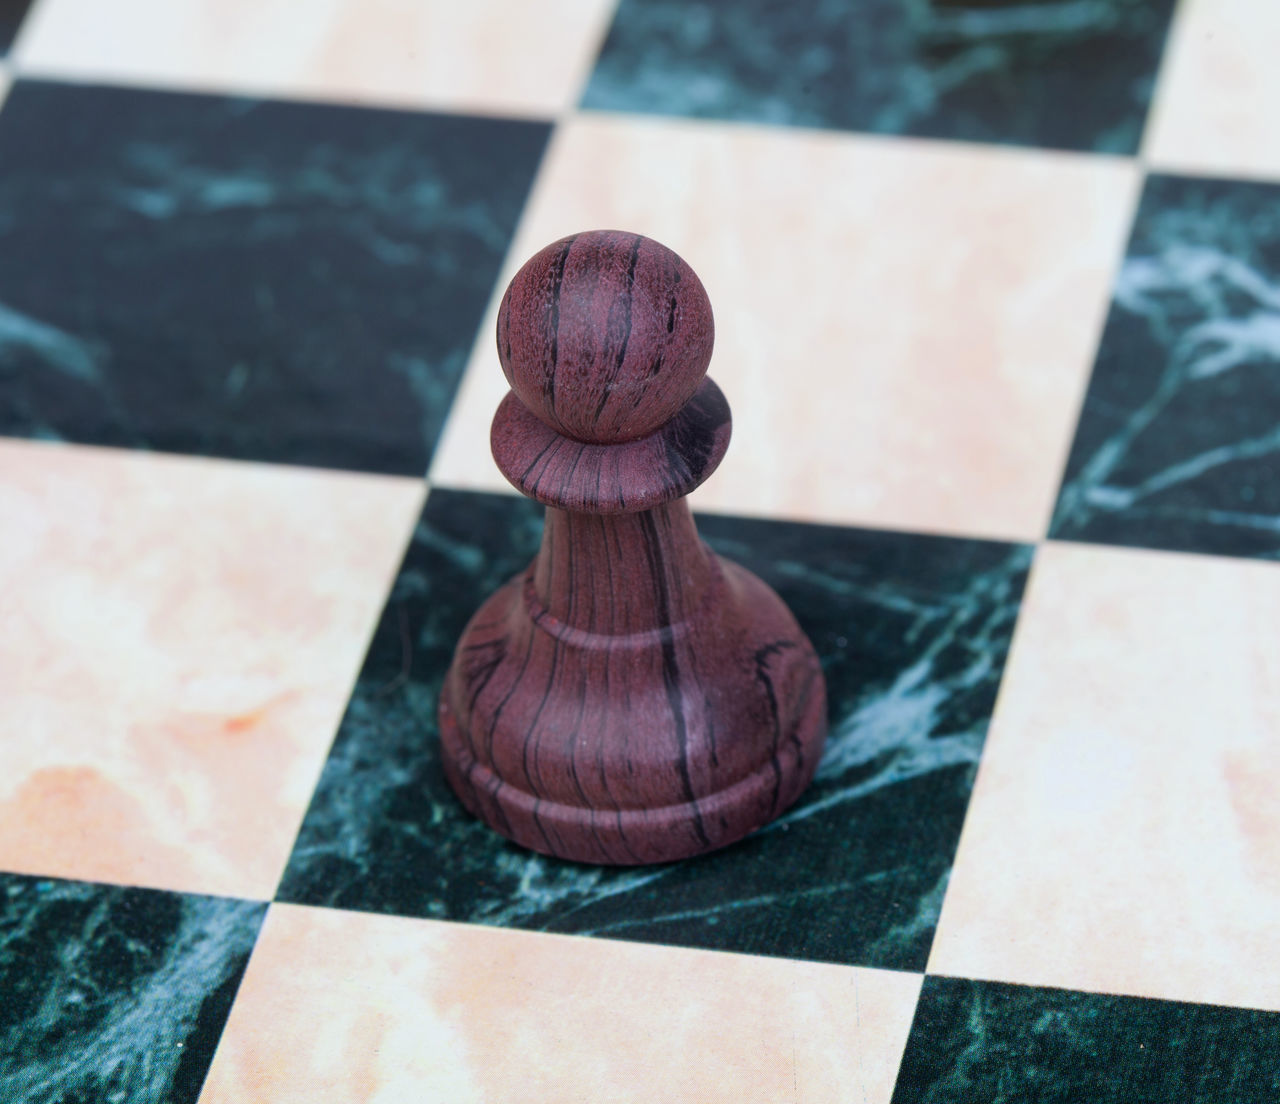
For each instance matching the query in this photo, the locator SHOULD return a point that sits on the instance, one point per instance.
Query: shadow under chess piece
(632, 697)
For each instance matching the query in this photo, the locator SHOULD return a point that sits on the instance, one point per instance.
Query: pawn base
(640, 749)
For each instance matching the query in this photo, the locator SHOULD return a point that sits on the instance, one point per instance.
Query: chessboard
(997, 295)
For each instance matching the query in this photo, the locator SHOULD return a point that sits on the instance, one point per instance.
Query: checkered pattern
(997, 300)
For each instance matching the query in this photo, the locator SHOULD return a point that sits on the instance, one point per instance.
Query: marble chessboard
(997, 290)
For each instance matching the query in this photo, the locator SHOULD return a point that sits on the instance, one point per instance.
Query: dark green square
(981, 1042)
(912, 632)
(11, 15)
(297, 283)
(1177, 445)
(111, 993)
(1058, 73)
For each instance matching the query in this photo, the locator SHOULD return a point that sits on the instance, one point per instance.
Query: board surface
(997, 297)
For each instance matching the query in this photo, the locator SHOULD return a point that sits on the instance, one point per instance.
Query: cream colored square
(485, 56)
(347, 1008)
(1218, 96)
(179, 640)
(1124, 832)
(903, 328)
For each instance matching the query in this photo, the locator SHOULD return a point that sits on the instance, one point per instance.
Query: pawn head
(605, 335)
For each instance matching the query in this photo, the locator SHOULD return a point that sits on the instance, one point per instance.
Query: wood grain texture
(605, 336)
(631, 697)
(611, 479)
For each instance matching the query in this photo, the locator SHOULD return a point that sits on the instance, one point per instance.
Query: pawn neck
(611, 576)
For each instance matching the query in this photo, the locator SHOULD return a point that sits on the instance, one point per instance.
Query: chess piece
(631, 697)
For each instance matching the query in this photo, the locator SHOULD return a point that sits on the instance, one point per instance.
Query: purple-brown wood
(631, 697)
(604, 336)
